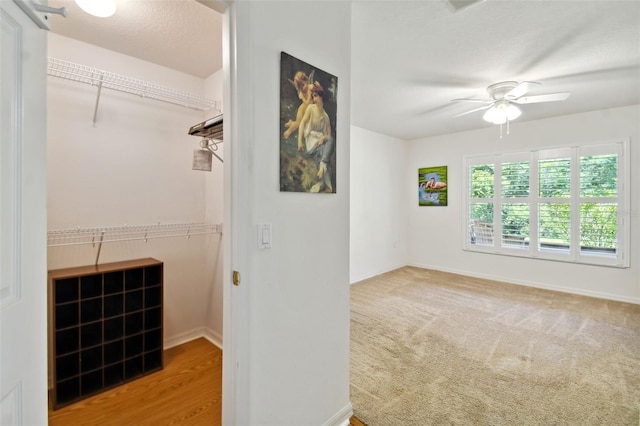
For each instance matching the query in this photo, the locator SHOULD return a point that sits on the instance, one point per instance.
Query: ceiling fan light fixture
(99, 8)
(501, 113)
(494, 116)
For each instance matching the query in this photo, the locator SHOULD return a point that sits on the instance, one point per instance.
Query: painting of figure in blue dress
(432, 186)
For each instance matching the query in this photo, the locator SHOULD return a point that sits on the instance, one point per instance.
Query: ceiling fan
(501, 108)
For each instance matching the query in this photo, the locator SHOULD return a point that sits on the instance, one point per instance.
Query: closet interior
(134, 240)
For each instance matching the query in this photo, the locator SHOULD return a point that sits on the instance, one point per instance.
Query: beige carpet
(433, 348)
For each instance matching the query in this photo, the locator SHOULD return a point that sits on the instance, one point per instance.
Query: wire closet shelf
(93, 236)
(104, 79)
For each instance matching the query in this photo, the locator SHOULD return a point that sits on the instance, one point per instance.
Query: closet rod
(104, 79)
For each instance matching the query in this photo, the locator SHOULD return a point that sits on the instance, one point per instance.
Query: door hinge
(236, 278)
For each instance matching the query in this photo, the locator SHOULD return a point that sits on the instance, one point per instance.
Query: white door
(23, 219)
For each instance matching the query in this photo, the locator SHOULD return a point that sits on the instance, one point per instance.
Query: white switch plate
(264, 236)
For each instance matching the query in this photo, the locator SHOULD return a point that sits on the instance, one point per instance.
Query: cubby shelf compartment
(105, 326)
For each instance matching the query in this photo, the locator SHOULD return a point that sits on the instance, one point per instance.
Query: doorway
(118, 162)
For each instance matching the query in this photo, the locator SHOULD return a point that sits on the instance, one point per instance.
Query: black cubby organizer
(105, 325)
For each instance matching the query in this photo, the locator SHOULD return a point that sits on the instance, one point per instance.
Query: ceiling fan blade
(551, 97)
(484, 101)
(473, 110)
(520, 90)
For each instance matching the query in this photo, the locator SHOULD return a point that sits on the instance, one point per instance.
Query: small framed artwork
(432, 186)
(307, 127)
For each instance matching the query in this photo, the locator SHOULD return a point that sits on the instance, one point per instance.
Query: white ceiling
(410, 58)
(180, 34)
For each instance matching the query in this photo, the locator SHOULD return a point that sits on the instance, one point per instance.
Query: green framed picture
(432, 186)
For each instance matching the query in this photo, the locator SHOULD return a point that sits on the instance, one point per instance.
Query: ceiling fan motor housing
(499, 90)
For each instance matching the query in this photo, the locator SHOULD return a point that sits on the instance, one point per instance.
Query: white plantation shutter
(565, 204)
(515, 212)
(554, 208)
(554, 177)
(600, 200)
(515, 224)
(595, 235)
(480, 194)
(515, 179)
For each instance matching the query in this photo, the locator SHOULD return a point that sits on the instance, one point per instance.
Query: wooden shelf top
(102, 268)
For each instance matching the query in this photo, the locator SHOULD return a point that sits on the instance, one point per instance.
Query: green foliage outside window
(597, 178)
(555, 178)
(598, 225)
(482, 187)
(598, 221)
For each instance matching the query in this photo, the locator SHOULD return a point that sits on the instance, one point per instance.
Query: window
(567, 204)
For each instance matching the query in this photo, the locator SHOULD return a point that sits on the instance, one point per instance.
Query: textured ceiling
(180, 34)
(410, 58)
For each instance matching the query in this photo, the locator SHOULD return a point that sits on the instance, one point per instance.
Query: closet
(121, 188)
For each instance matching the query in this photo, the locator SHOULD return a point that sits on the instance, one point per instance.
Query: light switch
(264, 236)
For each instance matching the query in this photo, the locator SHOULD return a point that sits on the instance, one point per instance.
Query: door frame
(235, 372)
(23, 290)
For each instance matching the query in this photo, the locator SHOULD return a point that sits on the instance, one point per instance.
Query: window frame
(574, 254)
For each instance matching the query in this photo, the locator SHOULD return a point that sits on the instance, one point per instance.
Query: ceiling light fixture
(502, 112)
(99, 8)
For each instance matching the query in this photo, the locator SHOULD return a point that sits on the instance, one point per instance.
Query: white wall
(435, 240)
(378, 204)
(214, 212)
(132, 168)
(293, 336)
(442, 228)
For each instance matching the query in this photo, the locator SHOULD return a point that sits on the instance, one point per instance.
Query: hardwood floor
(188, 391)
(355, 422)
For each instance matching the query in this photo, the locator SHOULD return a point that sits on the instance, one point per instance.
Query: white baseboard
(543, 286)
(213, 337)
(193, 334)
(384, 271)
(342, 417)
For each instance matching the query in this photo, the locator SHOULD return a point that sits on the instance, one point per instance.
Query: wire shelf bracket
(104, 79)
